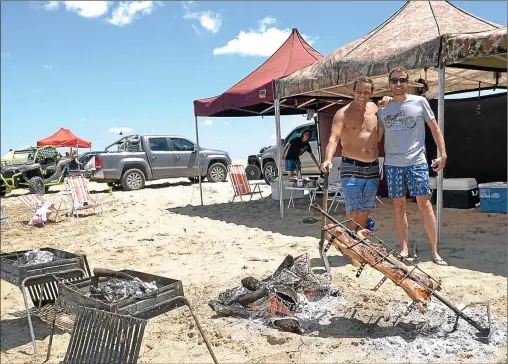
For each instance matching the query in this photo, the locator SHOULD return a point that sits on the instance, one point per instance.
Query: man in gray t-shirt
(402, 121)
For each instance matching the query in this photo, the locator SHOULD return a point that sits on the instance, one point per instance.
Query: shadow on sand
(482, 253)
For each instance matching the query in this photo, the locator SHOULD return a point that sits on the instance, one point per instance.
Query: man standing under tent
(294, 149)
(402, 122)
(355, 125)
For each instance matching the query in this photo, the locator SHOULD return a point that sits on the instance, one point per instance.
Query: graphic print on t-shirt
(401, 117)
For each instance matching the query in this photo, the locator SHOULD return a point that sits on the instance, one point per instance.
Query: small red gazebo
(64, 138)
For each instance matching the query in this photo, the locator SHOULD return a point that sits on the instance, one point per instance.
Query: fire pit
(36, 271)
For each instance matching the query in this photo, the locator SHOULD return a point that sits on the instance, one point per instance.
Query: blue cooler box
(493, 197)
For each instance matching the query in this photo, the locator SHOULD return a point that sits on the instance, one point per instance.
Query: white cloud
(83, 119)
(209, 20)
(195, 28)
(51, 5)
(208, 122)
(261, 42)
(47, 66)
(118, 130)
(123, 14)
(127, 11)
(86, 9)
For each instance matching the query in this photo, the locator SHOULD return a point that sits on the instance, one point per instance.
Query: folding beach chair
(335, 188)
(3, 216)
(240, 183)
(34, 201)
(77, 189)
(104, 337)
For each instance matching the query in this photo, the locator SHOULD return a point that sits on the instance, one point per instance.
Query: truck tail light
(98, 162)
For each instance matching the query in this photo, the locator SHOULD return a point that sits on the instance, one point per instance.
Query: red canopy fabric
(294, 54)
(64, 138)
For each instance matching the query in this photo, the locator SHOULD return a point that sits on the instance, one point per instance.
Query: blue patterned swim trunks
(291, 165)
(400, 179)
(360, 181)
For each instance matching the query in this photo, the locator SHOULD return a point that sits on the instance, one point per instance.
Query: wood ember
(34, 256)
(116, 289)
(416, 284)
(291, 299)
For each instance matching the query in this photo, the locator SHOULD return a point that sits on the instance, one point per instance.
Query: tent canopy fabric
(483, 50)
(412, 37)
(64, 138)
(254, 93)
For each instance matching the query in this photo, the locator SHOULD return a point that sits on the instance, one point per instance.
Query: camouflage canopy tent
(421, 36)
(433, 40)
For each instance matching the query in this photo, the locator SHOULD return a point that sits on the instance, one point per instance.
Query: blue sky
(98, 66)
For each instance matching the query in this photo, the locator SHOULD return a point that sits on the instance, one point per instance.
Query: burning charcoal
(289, 324)
(252, 297)
(251, 283)
(117, 289)
(230, 296)
(224, 310)
(34, 256)
(287, 263)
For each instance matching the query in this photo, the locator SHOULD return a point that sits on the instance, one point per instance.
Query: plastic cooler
(458, 193)
(493, 197)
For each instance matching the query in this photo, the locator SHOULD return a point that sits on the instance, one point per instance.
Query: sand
(163, 230)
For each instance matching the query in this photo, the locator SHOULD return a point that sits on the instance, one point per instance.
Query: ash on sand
(34, 256)
(117, 289)
(291, 299)
(435, 339)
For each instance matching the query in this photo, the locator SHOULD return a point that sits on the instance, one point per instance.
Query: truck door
(160, 156)
(184, 157)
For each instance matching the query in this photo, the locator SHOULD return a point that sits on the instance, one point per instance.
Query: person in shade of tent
(294, 149)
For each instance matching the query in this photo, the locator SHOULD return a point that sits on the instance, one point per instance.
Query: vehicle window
(314, 133)
(182, 145)
(296, 133)
(159, 144)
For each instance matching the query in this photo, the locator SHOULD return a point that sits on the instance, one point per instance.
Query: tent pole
(199, 162)
(279, 156)
(439, 187)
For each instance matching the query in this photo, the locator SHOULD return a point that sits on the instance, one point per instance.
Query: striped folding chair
(77, 189)
(34, 201)
(240, 183)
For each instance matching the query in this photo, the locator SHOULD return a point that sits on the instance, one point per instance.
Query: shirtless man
(355, 125)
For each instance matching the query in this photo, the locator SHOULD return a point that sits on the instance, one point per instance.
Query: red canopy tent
(254, 94)
(64, 138)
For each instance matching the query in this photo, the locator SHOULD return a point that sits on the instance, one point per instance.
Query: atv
(43, 167)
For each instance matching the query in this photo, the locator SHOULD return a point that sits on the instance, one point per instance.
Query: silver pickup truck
(144, 158)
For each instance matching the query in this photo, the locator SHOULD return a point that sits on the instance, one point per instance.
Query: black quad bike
(42, 168)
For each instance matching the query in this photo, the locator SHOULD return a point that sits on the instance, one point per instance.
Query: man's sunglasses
(395, 81)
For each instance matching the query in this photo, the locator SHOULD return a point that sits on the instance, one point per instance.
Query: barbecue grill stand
(484, 333)
(39, 279)
(167, 297)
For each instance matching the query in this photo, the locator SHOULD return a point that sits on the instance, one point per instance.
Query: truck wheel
(253, 172)
(270, 171)
(36, 186)
(133, 180)
(217, 173)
